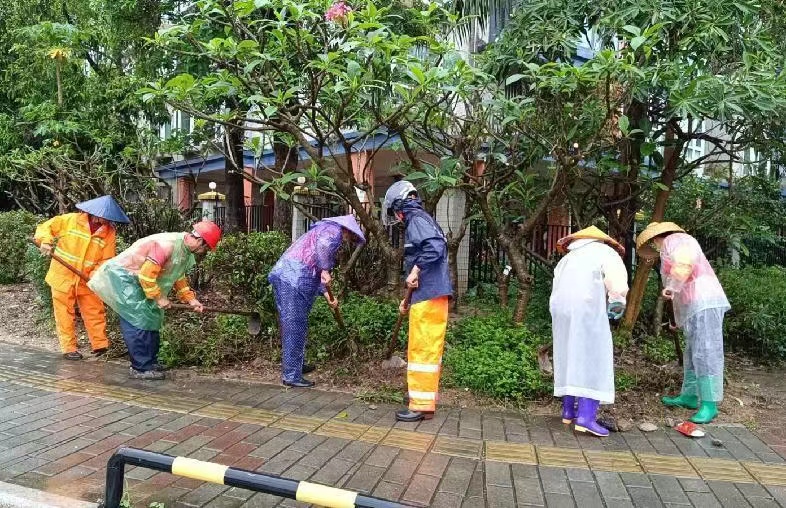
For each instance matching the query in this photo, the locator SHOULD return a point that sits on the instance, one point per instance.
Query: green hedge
(757, 319)
(15, 229)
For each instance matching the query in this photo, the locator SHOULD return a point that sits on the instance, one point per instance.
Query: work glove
(615, 310)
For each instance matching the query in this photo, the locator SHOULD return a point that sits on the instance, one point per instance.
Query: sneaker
(149, 375)
(158, 367)
(100, 351)
(73, 355)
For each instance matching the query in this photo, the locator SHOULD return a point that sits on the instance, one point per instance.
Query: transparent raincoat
(116, 282)
(586, 280)
(302, 263)
(699, 307)
(296, 280)
(686, 271)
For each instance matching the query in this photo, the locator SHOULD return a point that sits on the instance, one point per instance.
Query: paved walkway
(60, 421)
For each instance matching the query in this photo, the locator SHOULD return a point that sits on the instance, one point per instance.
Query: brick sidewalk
(60, 421)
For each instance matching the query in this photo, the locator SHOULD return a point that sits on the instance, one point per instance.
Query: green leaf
(514, 79)
(636, 42)
(181, 81)
(647, 149)
(624, 123)
(353, 69)
(633, 30)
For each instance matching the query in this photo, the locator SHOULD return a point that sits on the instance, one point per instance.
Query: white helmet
(394, 199)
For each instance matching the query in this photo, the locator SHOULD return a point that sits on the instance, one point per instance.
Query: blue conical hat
(349, 223)
(106, 208)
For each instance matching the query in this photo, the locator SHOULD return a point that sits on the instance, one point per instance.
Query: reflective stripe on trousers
(427, 324)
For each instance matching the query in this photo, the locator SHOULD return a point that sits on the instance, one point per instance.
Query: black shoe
(303, 383)
(159, 367)
(308, 367)
(149, 375)
(73, 355)
(407, 415)
(100, 351)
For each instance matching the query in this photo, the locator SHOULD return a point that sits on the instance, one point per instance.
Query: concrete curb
(14, 496)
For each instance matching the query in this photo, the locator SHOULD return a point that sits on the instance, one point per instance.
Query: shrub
(660, 350)
(241, 264)
(757, 318)
(491, 356)
(37, 266)
(369, 323)
(15, 229)
(207, 342)
(151, 216)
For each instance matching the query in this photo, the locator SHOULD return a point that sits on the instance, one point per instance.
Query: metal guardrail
(302, 491)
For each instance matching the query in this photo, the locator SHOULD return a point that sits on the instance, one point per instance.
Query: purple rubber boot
(568, 409)
(586, 420)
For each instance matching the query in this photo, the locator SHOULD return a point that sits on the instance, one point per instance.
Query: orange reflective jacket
(76, 246)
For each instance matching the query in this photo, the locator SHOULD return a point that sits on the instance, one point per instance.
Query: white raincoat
(583, 349)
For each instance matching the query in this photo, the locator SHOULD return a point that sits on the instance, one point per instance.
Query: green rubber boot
(710, 391)
(682, 400)
(688, 397)
(706, 413)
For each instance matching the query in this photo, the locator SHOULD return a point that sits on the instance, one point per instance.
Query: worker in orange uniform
(85, 240)
(136, 284)
(426, 260)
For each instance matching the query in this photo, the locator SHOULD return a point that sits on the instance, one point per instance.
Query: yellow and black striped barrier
(305, 492)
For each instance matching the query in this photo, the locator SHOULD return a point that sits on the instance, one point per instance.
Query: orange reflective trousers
(85, 251)
(91, 308)
(428, 322)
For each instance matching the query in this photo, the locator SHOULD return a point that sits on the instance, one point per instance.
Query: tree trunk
(233, 181)
(453, 244)
(636, 294)
(622, 225)
(519, 263)
(286, 162)
(657, 319)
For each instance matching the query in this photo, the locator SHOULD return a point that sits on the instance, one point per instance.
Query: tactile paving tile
(721, 469)
(218, 410)
(767, 474)
(409, 440)
(502, 451)
(298, 423)
(375, 434)
(458, 447)
(119, 394)
(666, 465)
(561, 457)
(257, 416)
(344, 430)
(618, 462)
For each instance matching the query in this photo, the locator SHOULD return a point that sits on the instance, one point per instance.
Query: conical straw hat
(590, 233)
(651, 231)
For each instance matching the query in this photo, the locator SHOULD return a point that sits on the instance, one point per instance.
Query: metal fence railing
(486, 255)
(258, 217)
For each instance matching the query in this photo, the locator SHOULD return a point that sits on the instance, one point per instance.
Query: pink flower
(338, 12)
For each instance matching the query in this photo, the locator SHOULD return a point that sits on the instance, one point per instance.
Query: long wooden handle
(336, 311)
(64, 263)
(399, 320)
(217, 310)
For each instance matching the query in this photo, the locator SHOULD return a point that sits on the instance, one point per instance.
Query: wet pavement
(61, 421)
